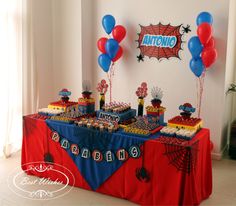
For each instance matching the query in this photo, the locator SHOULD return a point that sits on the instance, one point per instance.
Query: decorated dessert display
(185, 121)
(119, 116)
(72, 114)
(116, 111)
(62, 119)
(64, 104)
(50, 112)
(142, 127)
(183, 126)
(86, 103)
(102, 89)
(96, 124)
(141, 94)
(155, 113)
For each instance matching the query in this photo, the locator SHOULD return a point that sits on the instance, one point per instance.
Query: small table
(180, 171)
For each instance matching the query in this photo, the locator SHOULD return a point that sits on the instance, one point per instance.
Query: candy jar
(157, 95)
(102, 89)
(141, 94)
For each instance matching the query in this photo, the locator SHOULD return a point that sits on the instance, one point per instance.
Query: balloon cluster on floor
(202, 46)
(110, 48)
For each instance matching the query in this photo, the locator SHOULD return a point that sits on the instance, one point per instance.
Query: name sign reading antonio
(109, 117)
(160, 41)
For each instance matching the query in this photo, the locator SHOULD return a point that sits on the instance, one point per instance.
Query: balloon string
(197, 79)
(201, 88)
(110, 74)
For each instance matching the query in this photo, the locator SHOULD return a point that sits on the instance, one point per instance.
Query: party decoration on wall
(141, 94)
(110, 48)
(102, 89)
(204, 54)
(108, 23)
(186, 29)
(140, 58)
(121, 154)
(161, 41)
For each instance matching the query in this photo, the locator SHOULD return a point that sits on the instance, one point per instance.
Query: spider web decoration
(156, 31)
(182, 154)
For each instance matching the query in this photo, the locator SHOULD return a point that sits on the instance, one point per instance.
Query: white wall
(42, 32)
(173, 76)
(230, 100)
(231, 62)
(67, 47)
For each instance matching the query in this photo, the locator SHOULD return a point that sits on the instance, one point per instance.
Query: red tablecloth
(169, 184)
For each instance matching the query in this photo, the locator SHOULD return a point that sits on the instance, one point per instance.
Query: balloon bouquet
(110, 48)
(204, 54)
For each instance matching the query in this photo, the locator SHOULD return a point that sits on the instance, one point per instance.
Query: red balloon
(209, 56)
(101, 44)
(119, 33)
(118, 55)
(210, 43)
(204, 32)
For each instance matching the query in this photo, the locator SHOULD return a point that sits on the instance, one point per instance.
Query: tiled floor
(224, 189)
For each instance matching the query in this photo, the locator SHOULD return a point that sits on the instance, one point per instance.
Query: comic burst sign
(160, 41)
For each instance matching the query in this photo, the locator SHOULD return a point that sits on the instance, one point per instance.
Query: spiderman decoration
(161, 41)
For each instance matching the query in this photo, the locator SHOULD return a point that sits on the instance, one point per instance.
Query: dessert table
(179, 172)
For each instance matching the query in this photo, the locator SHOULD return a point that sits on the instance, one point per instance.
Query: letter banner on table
(97, 155)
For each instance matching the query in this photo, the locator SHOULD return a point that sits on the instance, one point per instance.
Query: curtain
(11, 76)
(18, 71)
(30, 75)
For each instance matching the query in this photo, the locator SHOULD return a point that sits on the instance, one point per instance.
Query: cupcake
(89, 125)
(110, 128)
(80, 123)
(101, 127)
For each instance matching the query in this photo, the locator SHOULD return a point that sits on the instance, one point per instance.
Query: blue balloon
(195, 46)
(104, 61)
(204, 17)
(112, 47)
(197, 67)
(108, 23)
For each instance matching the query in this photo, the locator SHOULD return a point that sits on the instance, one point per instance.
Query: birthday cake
(116, 112)
(183, 126)
(64, 104)
(184, 120)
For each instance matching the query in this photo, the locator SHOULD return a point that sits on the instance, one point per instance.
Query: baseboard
(219, 155)
(216, 155)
